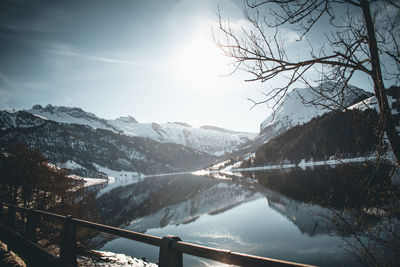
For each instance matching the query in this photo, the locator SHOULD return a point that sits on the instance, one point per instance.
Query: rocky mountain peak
(127, 119)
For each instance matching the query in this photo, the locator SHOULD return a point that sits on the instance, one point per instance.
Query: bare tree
(362, 33)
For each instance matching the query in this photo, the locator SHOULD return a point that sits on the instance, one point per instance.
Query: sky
(153, 60)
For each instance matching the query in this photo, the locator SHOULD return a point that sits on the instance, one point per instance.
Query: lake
(294, 214)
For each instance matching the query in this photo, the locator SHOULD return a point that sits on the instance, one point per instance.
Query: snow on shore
(111, 259)
(230, 169)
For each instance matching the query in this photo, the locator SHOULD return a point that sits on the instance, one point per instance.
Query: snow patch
(111, 259)
(70, 164)
(117, 178)
(232, 170)
(372, 103)
(88, 182)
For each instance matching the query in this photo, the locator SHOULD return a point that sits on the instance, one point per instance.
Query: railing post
(30, 229)
(2, 213)
(68, 242)
(11, 216)
(169, 257)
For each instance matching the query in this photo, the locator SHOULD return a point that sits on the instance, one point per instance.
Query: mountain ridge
(87, 146)
(210, 139)
(302, 104)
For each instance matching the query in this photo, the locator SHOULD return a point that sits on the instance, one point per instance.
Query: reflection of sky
(252, 228)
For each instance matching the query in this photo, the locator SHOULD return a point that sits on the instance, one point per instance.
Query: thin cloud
(17, 28)
(8, 82)
(7, 87)
(108, 60)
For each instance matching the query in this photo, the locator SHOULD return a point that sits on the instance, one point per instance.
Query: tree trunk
(385, 115)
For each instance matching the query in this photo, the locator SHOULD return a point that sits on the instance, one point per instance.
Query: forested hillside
(341, 134)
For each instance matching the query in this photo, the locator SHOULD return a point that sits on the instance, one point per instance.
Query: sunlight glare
(200, 62)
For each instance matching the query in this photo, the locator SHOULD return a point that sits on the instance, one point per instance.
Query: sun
(201, 62)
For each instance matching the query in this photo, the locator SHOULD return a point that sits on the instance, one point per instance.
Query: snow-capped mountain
(70, 115)
(208, 139)
(298, 107)
(90, 147)
(65, 134)
(302, 104)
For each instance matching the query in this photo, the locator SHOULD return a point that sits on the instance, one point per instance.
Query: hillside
(85, 147)
(208, 139)
(342, 134)
(296, 109)
(302, 104)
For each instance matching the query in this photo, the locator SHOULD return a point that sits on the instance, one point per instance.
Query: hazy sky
(153, 60)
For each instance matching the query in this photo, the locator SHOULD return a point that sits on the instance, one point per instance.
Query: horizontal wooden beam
(220, 255)
(28, 250)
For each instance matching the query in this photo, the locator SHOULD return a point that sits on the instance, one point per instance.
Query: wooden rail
(171, 251)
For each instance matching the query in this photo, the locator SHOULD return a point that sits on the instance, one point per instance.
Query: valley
(255, 189)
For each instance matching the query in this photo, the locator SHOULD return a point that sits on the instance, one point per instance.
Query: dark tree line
(341, 134)
(28, 180)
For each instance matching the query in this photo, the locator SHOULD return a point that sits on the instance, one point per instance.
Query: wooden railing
(171, 250)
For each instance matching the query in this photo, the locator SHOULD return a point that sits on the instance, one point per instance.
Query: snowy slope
(369, 103)
(208, 139)
(18, 119)
(372, 103)
(70, 115)
(296, 109)
(293, 111)
(79, 147)
(393, 94)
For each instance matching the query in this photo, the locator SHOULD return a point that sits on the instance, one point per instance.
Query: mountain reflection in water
(325, 216)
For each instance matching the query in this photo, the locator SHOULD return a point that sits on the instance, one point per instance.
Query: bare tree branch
(355, 44)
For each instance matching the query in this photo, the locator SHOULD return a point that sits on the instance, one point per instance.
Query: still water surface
(263, 214)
